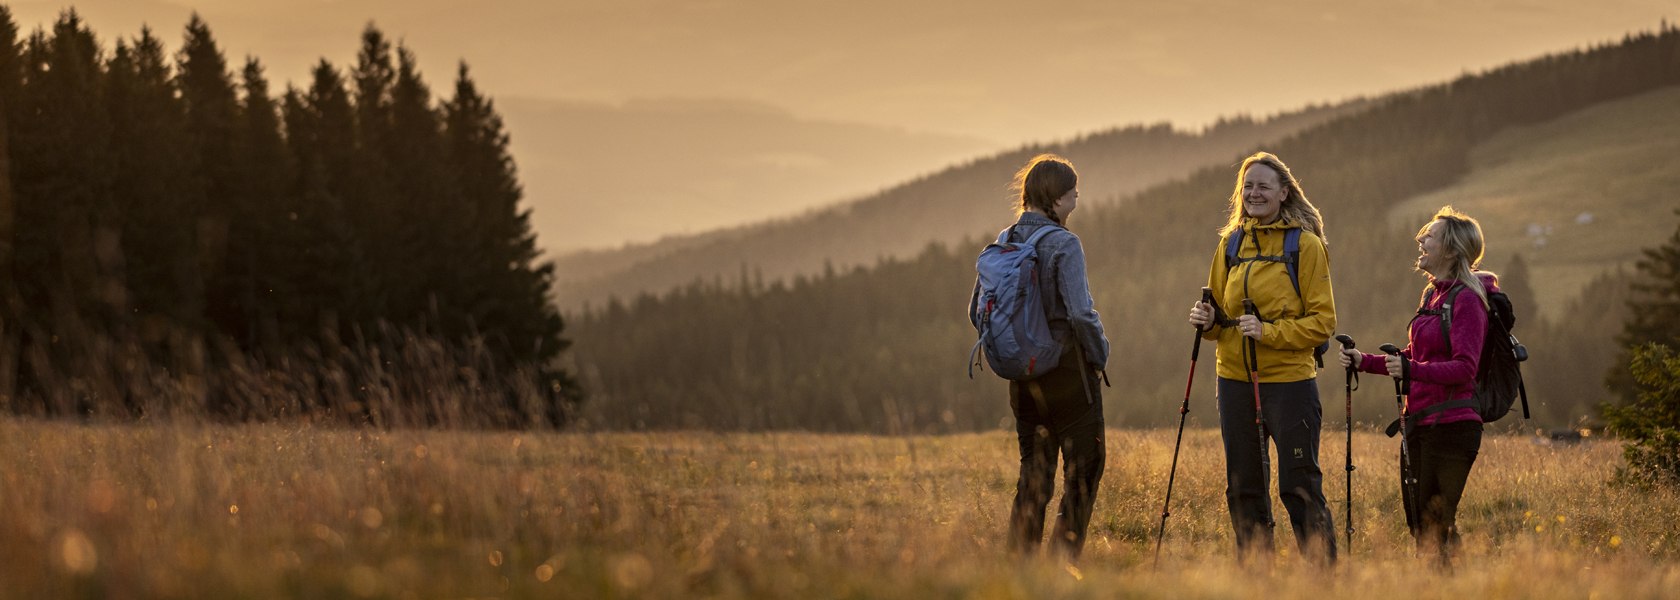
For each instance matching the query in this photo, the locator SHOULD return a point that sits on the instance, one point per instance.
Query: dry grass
(196, 510)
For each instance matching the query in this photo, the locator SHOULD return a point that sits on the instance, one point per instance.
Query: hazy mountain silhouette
(956, 203)
(703, 163)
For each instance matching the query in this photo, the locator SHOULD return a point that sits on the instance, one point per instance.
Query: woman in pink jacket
(1445, 434)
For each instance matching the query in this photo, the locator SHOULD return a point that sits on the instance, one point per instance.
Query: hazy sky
(991, 73)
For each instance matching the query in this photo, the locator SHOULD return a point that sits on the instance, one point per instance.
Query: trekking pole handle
(1249, 308)
(1390, 350)
(1213, 317)
(1347, 344)
(1196, 349)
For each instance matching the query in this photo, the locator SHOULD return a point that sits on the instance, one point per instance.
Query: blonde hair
(1295, 207)
(1461, 235)
(1044, 180)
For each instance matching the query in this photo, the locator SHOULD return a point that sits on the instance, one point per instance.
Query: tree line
(883, 348)
(160, 209)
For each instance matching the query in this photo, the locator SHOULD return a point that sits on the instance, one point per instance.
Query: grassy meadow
(189, 509)
(1576, 196)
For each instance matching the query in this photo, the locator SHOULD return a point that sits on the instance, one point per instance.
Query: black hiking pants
(1293, 420)
(1055, 416)
(1441, 459)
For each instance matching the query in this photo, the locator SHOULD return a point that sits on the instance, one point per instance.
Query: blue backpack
(1009, 312)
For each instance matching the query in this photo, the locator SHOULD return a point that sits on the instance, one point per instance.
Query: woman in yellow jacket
(1271, 254)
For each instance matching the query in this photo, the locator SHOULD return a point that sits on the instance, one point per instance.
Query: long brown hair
(1044, 180)
(1295, 207)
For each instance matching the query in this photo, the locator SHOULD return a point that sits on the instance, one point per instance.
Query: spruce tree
(430, 275)
(325, 270)
(509, 301)
(1654, 311)
(155, 186)
(11, 85)
(11, 305)
(1650, 422)
(264, 171)
(224, 217)
(65, 253)
(369, 201)
(62, 172)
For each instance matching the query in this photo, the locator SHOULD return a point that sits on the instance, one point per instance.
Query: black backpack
(1499, 381)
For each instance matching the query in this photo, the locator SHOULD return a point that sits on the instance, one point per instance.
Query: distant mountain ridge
(957, 203)
(596, 174)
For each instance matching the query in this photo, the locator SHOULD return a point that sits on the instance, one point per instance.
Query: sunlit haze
(637, 119)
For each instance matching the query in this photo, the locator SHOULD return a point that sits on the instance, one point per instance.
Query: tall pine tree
(264, 170)
(223, 217)
(1653, 313)
(325, 269)
(64, 180)
(11, 305)
(155, 185)
(369, 202)
(509, 301)
(420, 187)
(66, 236)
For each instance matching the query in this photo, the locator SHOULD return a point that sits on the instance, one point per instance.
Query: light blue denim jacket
(1066, 293)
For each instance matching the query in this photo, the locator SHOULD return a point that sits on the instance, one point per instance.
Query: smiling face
(1433, 257)
(1263, 193)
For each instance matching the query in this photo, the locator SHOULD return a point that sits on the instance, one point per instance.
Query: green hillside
(1575, 196)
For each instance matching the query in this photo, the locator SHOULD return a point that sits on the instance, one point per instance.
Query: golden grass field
(196, 510)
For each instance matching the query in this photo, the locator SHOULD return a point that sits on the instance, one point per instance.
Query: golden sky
(966, 76)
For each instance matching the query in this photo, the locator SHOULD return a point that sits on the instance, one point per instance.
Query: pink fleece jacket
(1437, 376)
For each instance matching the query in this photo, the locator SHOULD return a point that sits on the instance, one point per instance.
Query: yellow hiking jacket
(1292, 325)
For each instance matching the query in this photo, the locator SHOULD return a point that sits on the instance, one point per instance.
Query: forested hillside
(174, 236)
(947, 207)
(882, 348)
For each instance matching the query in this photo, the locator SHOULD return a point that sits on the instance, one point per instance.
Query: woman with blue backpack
(1033, 308)
(1273, 308)
(1442, 427)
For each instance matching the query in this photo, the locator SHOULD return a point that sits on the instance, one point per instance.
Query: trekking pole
(1183, 411)
(1352, 374)
(1408, 498)
(1252, 357)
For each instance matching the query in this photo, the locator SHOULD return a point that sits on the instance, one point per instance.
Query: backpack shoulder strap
(1233, 242)
(1292, 254)
(1445, 312)
(1042, 231)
